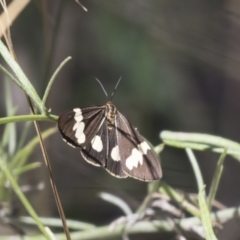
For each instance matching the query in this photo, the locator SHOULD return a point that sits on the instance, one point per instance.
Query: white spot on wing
(115, 154)
(79, 134)
(78, 114)
(134, 159)
(143, 147)
(136, 156)
(76, 110)
(97, 143)
(79, 126)
(76, 126)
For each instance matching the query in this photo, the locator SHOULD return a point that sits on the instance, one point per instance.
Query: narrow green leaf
(12, 127)
(50, 83)
(26, 168)
(23, 136)
(7, 131)
(196, 169)
(116, 201)
(56, 222)
(200, 138)
(7, 73)
(21, 77)
(153, 186)
(216, 179)
(158, 149)
(205, 216)
(22, 198)
(201, 142)
(24, 152)
(179, 198)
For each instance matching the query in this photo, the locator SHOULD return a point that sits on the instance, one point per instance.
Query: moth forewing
(79, 125)
(114, 163)
(95, 152)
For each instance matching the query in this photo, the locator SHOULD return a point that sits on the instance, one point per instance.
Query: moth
(107, 139)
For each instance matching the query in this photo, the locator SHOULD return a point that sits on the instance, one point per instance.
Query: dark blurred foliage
(179, 62)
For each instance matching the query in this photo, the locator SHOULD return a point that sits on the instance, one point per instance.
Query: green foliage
(13, 161)
(14, 156)
(205, 216)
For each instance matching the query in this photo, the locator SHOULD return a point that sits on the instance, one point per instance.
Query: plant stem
(196, 169)
(30, 117)
(22, 198)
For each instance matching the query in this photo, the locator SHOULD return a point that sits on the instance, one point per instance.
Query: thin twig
(48, 165)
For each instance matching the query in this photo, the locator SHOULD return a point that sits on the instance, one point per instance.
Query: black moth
(106, 138)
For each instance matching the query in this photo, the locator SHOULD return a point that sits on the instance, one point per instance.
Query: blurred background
(179, 62)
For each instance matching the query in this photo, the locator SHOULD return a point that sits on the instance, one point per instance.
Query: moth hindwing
(106, 138)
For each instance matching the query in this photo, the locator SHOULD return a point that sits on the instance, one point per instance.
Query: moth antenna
(115, 88)
(102, 87)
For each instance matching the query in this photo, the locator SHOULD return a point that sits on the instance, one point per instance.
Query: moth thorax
(111, 113)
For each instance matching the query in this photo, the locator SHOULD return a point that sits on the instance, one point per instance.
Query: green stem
(196, 168)
(156, 226)
(205, 216)
(22, 198)
(52, 80)
(210, 141)
(56, 222)
(216, 179)
(26, 168)
(201, 142)
(23, 118)
(21, 156)
(179, 198)
(117, 202)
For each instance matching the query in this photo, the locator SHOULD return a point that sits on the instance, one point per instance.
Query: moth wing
(138, 159)
(114, 163)
(103, 151)
(79, 125)
(95, 152)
